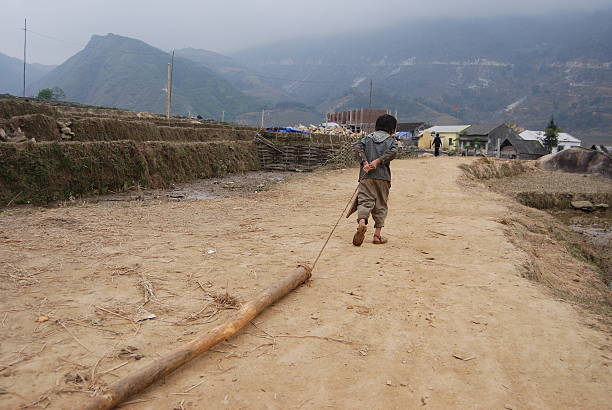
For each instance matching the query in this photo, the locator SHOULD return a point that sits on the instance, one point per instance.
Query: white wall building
(565, 140)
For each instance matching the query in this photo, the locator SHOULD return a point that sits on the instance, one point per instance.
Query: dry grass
(487, 168)
(225, 300)
(558, 258)
(216, 303)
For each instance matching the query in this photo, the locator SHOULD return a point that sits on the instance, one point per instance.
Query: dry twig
(193, 387)
(23, 359)
(74, 337)
(149, 291)
(113, 368)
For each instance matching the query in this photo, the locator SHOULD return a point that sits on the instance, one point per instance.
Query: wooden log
(144, 377)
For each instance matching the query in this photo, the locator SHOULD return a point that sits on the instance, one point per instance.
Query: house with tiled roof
(476, 137)
(505, 142)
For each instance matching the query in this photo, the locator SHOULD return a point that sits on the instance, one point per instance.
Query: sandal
(379, 240)
(359, 235)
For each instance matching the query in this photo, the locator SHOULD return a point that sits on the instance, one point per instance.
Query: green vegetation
(54, 93)
(551, 135)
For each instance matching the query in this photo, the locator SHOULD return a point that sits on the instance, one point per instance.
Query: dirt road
(440, 317)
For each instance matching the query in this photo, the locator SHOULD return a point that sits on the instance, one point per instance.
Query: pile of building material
(328, 130)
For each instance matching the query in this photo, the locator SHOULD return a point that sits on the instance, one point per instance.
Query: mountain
(520, 69)
(11, 74)
(122, 72)
(237, 74)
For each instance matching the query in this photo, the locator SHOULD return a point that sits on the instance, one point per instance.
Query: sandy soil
(446, 287)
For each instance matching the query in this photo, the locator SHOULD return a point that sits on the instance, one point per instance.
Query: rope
(335, 226)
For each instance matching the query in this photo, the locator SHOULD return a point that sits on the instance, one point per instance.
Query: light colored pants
(372, 199)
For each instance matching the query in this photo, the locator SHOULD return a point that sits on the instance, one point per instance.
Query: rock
(578, 160)
(67, 133)
(17, 138)
(2, 134)
(583, 205)
(602, 206)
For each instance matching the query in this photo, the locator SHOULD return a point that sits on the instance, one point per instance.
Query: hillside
(122, 72)
(478, 70)
(11, 74)
(237, 74)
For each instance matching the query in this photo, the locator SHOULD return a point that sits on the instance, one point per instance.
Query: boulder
(2, 134)
(578, 160)
(583, 205)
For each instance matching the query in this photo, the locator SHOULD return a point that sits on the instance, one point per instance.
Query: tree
(45, 94)
(58, 93)
(54, 93)
(551, 135)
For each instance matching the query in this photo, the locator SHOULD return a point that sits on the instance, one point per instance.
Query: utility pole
(370, 106)
(168, 93)
(25, 43)
(171, 83)
(169, 87)
(262, 118)
(222, 116)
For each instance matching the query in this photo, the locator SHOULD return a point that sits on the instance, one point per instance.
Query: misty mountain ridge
(117, 71)
(236, 73)
(11, 74)
(520, 69)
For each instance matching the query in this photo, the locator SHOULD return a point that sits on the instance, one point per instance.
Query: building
(448, 133)
(408, 132)
(505, 142)
(413, 128)
(362, 120)
(564, 139)
(476, 137)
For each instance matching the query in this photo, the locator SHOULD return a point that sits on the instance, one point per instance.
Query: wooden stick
(141, 379)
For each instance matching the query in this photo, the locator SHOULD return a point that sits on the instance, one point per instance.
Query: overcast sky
(60, 28)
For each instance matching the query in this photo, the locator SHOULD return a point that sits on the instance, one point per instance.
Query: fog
(60, 28)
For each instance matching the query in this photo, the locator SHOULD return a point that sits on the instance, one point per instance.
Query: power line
(253, 73)
(92, 47)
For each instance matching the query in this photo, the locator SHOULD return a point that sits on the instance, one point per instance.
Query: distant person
(375, 152)
(437, 143)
